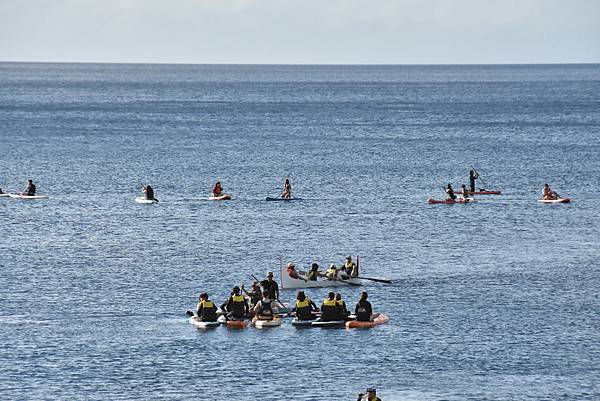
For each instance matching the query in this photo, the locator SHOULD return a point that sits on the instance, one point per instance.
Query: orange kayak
(238, 324)
(380, 318)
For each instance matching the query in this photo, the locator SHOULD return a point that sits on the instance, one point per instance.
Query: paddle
(189, 313)
(379, 280)
(479, 178)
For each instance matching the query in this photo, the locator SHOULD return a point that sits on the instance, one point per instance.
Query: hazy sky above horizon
(301, 31)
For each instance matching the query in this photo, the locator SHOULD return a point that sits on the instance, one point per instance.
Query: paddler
(149, 191)
(304, 307)
(332, 272)
(450, 192)
(473, 175)
(370, 395)
(206, 309)
(465, 194)
(30, 190)
(348, 268)
(270, 286)
(342, 309)
(237, 306)
(330, 309)
(313, 274)
(287, 189)
(217, 189)
(255, 293)
(265, 309)
(363, 309)
(548, 194)
(291, 271)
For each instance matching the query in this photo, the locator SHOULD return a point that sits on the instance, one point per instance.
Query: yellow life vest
(329, 302)
(349, 266)
(207, 304)
(237, 298)
(303, 304)
(341, 302)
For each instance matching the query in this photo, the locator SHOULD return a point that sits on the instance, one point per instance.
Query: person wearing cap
(255, 294)
(330, 309)
(265, 309)
(237, 306)
(270, 286)
(304, 307)
(206, 309)
(291, 271)
(313, 273)
(332, 272)
(370, 395)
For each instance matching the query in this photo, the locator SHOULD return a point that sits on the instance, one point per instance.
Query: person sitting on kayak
(291, 271)
(206, 309)
(237, 306)
(548, 194)
(255, 294)
(304, 307)
(149, 191)
(465, 194)
(332, 272)
(265, 309)
(313, 274)
(217, 189)
(370, 395)
(473, 175)
(363, 309)
(287, 189)
(30, 190)
(270, 286)
(450, 192)
(330, 309)
(342, 309)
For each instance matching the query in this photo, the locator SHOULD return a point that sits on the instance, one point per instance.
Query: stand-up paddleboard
(259, 324)
(559, 200)
(269, 199)
(218, 198)
(448, 201)
(380, 318)
(302, 323)
(329, 323)
(142, 199)
(196, 322)
(19, 196)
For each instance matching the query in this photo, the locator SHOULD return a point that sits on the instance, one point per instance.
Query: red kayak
(480, 193)
(447, 201)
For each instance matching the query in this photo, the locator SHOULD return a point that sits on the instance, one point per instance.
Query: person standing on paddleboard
(270, 286)
(473, 175)
(30, 190)
(287, 189)
(149, 191)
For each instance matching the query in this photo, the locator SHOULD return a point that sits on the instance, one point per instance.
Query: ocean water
(495, 300)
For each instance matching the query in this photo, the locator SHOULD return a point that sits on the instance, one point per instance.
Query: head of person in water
(364, 296)
(236, 290)
(331, 296)
(301, 296)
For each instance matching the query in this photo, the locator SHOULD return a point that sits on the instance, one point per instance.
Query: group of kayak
(548, 196)
(30, 192)
(261, 307)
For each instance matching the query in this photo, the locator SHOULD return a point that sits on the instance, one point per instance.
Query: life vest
(237, 306)
(341, 303)
(265, 308)
(304, 309)
(329, 310)
(331, 273)
(208, 310)
(312, 275)
(330, 302)
(349, 266)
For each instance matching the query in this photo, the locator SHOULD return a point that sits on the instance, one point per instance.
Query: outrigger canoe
(448, 201)
(144, 200)
(219, 198)
(289, 282)
(559, 200)
(379, 318)
(259, 324)
(481, 192)
(19, 196)
(196, 322)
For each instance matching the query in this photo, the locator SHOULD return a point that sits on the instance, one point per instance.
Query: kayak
(196, 322)
(559, 200)
(329, 323)
(302, 323)
(289, 282)
(448, 201)
(481, 192)
(222, 197)
(142, 199)
(19, 196)
(380, 318)
(259, 324)
(282, 199)
(238, 324)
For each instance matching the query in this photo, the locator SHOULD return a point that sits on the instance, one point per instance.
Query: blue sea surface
(495, 300)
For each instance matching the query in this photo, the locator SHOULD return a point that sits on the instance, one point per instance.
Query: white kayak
(259, 324)
(329, 323)
(142, 199)
(19, 196)
(559, 200)
(289, 282)
(195, 321)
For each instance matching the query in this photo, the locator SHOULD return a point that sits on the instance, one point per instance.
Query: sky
(301, 31)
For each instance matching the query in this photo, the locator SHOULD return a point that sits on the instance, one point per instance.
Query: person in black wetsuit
(450, 192)
(472, 177)
(237, 306)
(206, 309)
(270, 286)
(149, 191)
(30, 190)
(363, 309)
